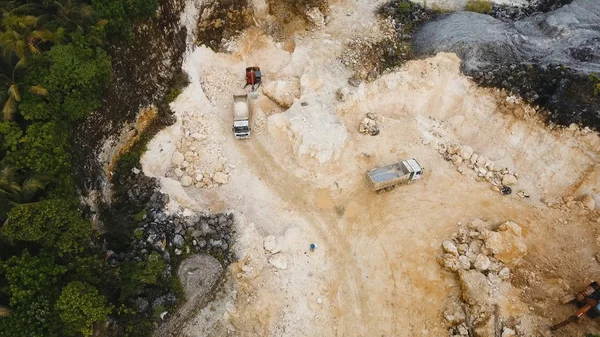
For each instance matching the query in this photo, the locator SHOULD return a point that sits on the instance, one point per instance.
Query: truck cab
(241, 129)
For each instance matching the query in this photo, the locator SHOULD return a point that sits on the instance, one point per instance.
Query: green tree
(31, 276)
(75, 81)
(35, 318)
(33, 287)
(10, 133)
(79, 306)
(53, 224)
(121, 14)
(42, 150)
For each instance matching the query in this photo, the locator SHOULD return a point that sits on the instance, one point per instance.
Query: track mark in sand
(296, 194)
(394, 291)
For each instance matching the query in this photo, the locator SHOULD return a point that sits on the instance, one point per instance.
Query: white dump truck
(241, 116)
(387, 177)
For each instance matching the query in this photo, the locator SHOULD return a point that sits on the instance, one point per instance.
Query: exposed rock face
(199, 274)
(283, 92)
(545, 58)
(316, 132)
(549, 38)
(149, 62)
(315, 16)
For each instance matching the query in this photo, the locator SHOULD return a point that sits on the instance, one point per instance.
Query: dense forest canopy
(54, 67)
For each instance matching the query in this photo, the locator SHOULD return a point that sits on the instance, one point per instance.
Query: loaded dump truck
(241, 116)
(387, 177)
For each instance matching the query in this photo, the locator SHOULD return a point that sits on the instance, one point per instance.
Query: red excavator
(588, 302)
(253, 77)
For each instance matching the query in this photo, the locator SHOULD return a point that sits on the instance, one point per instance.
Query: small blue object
(312, 247)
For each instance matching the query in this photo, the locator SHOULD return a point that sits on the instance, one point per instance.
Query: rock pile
(166, 234)
(199, 160)
(480, 256)
(369, 125)
(158, 236)
(463, 157)
(585, 204)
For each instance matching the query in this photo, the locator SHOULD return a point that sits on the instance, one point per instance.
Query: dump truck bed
(241, 110)
(389, 175)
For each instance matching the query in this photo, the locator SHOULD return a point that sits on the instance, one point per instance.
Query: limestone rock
(198, 274)
(283, 92)
(186, 181)
(507, 244)
(270, 244)
(315, 16)
(177, 158)
(504, 273)
(368, 126)
(475, 288)
(278, 261)
(481, 160)
(454, 313)
(475, 246)
(178, 241)
(588, 202)
(450, 247)
(474, 158)
(465, 262)
(465, 152)
(450, 262)
(456, 159)
(452, 149)
(482, 262)
(220, 178)
(509, 179)
(506, 332)
(178, 172)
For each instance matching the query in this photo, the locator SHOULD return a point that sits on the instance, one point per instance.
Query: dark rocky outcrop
(548, 58)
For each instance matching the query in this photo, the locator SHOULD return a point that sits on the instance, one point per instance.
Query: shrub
(53, 224)
(479, 6)
(79, 306)
(41, 150)
(30, 276)
(137, 274)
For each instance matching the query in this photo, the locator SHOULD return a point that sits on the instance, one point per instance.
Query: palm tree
(76, 15)
(4, 311)
(18, 191)
(22, 35)
(12, 89)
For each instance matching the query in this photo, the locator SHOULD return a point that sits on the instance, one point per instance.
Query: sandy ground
(299, 180)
